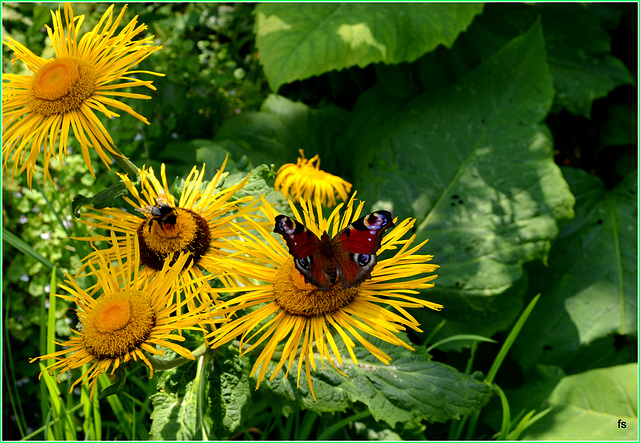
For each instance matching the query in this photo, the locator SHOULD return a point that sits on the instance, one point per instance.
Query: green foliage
(412, 387)
(211, 403)
(279, 130)
(489, 194)
(584, 406)
(508, 131)
(297, 43)
(592, 268)
(577, 40)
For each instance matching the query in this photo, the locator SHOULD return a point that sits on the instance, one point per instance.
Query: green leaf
(620, 127)
(472, 163)
(589, 406)
(212, 155)
(580, 57)
(577, 41)
(260, 182)
(276, 133)
(592, 290)
(229, 393)
(302, 40)
(103, 199)
(179, 406)
(116, 386)
(411, 387)
(201, 400)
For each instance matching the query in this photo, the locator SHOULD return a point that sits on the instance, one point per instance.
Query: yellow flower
(65, 91)
(306, 180)
(199, 225)
(132, 316)
(286, 309)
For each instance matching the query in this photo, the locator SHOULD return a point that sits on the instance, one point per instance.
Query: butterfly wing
(304, 245)
(357, 245)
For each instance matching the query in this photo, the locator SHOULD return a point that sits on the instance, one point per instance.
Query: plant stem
(169, 364)
(125, 163)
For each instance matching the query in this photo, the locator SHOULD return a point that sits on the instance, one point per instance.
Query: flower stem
(179, 361)
(125, 163)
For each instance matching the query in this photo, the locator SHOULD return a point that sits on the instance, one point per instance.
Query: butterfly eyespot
(304, 263)
(362, 259)
(375, 221)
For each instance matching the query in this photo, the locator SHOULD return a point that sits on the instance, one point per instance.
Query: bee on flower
(196, 224)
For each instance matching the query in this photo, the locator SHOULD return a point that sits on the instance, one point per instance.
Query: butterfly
(348, 257)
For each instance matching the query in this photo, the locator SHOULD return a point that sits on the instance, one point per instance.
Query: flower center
(296, 297)
(118, 323)
(186, 231)
(61, 85)
(114, 316)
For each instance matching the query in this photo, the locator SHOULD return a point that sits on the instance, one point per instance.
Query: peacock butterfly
(348, 257)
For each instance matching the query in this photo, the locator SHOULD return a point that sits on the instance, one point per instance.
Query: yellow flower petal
(306, 180)
(127, 317)
(78, 79)
(284, 310)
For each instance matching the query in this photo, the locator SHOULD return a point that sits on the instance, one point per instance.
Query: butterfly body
(349, 257)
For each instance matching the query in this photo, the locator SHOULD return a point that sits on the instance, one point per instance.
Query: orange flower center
(296, 297)
(113, 316)
(118, 323)
(62, 85)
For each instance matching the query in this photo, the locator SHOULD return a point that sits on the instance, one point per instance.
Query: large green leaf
(205, 399)
(578, 49)
(297, 41)
(592, 289)
(592, 405)
(411, 387)
(472, 163)
(276, 133)
(179, 406)
(229, 392)
(580, 56)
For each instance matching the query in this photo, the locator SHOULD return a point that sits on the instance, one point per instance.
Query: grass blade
(327, 433)
(62, 422)
(43, 323)
(23, 247)
(527, 421)
(12, 386)
(511, 338)
(460, 337)
(504, 350)
(47, 423)
(506, 415)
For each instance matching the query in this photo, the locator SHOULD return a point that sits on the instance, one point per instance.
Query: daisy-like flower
(306, 180)
(288, 310)
(132, 316)
(197, 225)
(64, 92)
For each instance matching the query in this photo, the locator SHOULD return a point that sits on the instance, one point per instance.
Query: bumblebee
(162, 213)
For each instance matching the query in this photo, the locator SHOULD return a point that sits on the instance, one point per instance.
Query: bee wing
(162, 199)
(150, 210)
